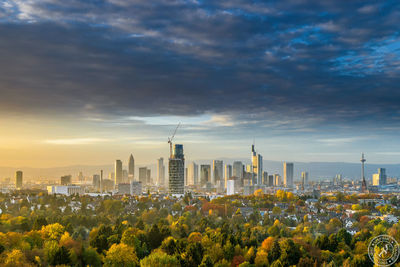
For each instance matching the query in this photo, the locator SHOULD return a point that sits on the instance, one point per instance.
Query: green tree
(154, 237)
(57, 255)
(290, 253)
(169, 245)
(91, 257)
(207, 262)
(39, 222)
(194, 254)
(275, 251)
(322, 242)
(344, 236)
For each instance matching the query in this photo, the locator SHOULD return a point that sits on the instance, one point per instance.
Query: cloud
(75, 141)
(292, 65)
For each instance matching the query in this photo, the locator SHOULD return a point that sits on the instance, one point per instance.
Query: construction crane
(170, 140)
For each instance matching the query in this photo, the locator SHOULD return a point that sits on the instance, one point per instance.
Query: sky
(86, 82)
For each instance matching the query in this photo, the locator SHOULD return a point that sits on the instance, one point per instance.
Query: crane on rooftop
(170, 140)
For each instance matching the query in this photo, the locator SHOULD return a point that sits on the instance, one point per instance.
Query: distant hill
(317, 170)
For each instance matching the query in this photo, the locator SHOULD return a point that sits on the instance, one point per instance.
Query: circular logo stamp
(383, 250)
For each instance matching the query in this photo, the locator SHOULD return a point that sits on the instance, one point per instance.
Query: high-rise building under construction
(176, 170)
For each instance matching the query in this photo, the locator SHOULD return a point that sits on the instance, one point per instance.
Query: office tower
(96, 181)
(218, 176)
(186, 176)
(125, 178)
(257, 166)
(270, 180)
(66, 179)
(205, 174)
(18, 179)
(304, 179)
(193, 174)
(265, 178)
(228, 173)
(81, 178)
(148, 177)
(160, 172)
(249, 168)
(339, 179)
(131, 168)
(118, 172)
(143, 175)
(363, 182)
(288, 174)
(277, 180)
(176, 170)
(101, 181)
(111, 176)
(380, 177)
(230, 187)
(238, 170)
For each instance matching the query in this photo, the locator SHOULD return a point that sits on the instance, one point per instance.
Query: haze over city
(92, 81)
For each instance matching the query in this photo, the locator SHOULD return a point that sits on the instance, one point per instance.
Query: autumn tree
(121, 255)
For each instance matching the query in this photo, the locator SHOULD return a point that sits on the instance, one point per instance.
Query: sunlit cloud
(76, 141)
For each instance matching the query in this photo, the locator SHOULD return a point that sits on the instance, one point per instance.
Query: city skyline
(309, 81)
(199, 133)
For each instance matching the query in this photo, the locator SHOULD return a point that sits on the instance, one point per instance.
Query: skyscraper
(363, 182)
(304, 179)
(193, 174)
(277, 180)
(205, 174)
(380, 177)
(101, 181)
(160, 172)
(148, 176)
(228, 173)
(143, 175)
(218, 176)
(238, 170)
(288, 174)
(257, 166)
(131, 168)
(265, 178)
(125, 176)
(270, 180)
(118, 172)
(176, 170)
(18, 179)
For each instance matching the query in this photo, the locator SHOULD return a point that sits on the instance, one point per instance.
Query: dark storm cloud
(325, 62)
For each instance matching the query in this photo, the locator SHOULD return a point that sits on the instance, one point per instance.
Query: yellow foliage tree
(121, 255)
(195, 237)
(290, 195)
(258, 193)
(281, 195)
(15, 258)
(53, 231)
